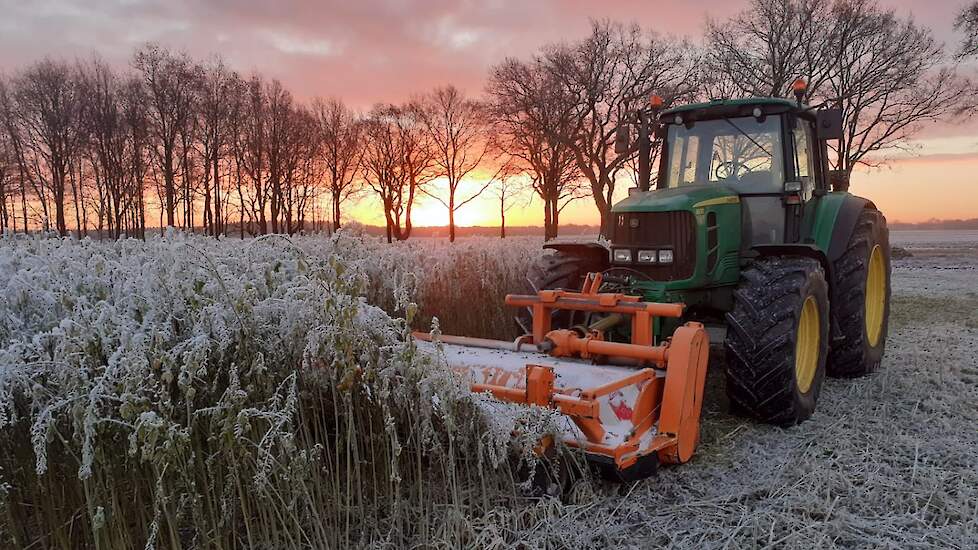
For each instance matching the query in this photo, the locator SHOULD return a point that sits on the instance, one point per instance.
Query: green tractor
(749, 228)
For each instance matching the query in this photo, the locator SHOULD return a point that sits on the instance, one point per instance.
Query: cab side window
(803, 157)
(682, 171)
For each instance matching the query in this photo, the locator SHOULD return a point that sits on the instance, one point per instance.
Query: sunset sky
(374, 50)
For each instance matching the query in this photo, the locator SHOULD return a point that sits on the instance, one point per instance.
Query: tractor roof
(719, 108)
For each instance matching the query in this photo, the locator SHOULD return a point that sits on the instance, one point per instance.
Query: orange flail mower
(628, 406)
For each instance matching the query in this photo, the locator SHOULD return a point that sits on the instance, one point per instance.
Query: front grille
(658, 230)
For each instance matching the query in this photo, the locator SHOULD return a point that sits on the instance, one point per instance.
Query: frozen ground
(889, 461)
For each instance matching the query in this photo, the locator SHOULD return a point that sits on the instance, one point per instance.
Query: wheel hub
(875, 296)
(807, 345)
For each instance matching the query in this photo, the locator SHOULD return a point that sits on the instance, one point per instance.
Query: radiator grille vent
(655, 231)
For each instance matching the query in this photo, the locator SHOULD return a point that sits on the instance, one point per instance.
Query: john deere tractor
(750, 229)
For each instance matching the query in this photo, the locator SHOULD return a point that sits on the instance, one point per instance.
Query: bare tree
(397, 162)
(306, 188)
(341, 137)
(762, 50)
(49, 109)
(509, 187)
(889, 79)
(886, 73)
(279, 126)
(11, 131)
(528, 111)
(8, 170)
(456, 126)
(605, 78)
(135, 115)
(967, 22)
(251, 156)
(115, 118)
(216, 89)
(170, 80)
(301, 173)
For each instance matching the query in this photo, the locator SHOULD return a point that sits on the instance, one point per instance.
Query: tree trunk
(554, 221)
(171, 191)
(403, 236)
(262, 220)
(4, 218)
(23, 198)
(276, 193)
(502, 218)
(188, 206)
(607, 223)
(208, 220)
(59, 210)
(336, 211)
(601, 202)
(547, 220)
(218, 211)
(451, 218)
(74, 196)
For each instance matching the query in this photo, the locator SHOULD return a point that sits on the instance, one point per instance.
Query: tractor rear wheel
(559, 271)
(861, 298)
(777, 339)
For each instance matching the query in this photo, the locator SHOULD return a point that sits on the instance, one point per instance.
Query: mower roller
(629, 405)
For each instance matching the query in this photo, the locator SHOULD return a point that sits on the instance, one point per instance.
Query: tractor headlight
(665, 256)
(646, 256)
(622, 255)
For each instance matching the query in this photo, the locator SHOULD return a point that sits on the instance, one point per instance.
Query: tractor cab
(767, 151)
(733, 176)
(746, 152)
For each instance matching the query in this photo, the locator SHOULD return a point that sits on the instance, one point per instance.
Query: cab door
(804, 173)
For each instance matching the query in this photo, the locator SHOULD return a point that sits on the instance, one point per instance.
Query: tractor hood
(677, 198)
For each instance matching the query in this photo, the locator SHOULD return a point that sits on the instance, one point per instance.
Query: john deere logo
(633, 223)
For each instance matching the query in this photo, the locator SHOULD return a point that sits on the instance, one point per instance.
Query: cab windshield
(742, 151)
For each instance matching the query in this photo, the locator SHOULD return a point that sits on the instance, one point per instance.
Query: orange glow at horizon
(910, 190)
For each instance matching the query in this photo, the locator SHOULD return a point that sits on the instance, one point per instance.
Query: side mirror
(839, 180)
(828, 124)
(622, 139)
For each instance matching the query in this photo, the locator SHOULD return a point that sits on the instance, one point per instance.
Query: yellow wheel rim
(807, 345)
(875, 296)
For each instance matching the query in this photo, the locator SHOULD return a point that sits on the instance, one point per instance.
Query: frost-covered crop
(192, 392)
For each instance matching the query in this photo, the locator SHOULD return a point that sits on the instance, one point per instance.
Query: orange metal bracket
(589, 300)
(540, 391)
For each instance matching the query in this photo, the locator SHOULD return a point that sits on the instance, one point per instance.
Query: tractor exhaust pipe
(647, 119)
(644, 152)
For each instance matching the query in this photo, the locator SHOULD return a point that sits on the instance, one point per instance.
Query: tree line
(85, 146)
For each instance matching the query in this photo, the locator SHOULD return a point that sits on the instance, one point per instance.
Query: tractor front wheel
(777, 339)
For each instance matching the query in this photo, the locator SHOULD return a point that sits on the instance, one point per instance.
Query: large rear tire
(777, 340)
(559, 270)
(861, 298)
